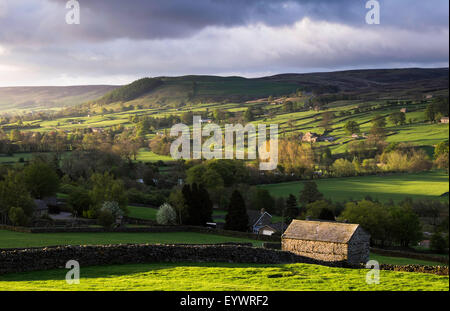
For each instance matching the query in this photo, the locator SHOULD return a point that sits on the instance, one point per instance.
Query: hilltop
(360, 84)
(176, 91)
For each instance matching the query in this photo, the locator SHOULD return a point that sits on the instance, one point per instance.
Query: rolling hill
(364, 84)
(47, 97)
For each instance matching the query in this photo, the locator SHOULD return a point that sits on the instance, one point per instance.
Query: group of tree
(198, 206)
(387, 224)
(20, 187)
(437, 109)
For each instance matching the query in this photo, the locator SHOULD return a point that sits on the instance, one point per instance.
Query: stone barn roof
(334, 232)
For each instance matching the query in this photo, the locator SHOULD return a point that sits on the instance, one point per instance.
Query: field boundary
(149, 229)
(47, 258)
(403, 254)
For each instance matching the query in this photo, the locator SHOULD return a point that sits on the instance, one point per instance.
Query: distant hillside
(45, 97)
(361, 83)
(130, 91)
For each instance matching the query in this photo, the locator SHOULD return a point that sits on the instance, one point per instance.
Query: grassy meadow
(145, 213)
(429, 185)
(11, 239)
(221, 277)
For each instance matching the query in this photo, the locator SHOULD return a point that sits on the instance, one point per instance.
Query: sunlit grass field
(429, 185)
(222, 277)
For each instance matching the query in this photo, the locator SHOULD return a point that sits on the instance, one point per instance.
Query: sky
(119, 41)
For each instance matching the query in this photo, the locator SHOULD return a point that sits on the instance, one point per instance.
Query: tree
(321, 209)
(176, 199)
(106, 218)
(442, 162)
(40, 179)
(372, 217)
(327, 119)
(310, 193)
(430, 114)
(114, 208)
(405, 225)
(280, 205)
(326, 214)
(379, 121)
(440, 149)
(295, 157)
(262, 200)
(438, 242)
(343, 167)
(397, 118)
(166, 215)
(288, 107)
(13, 193)
(187, 117)
(106, 188)
(198, 205)
(248, 115)
(236, 218)
(351, 127)
(209, 177)
(18, 216)
(79, 200)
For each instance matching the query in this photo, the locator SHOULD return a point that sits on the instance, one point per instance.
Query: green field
(429, 185)
(140, 212)
(222, 277)
(145, 155)
(11, 239)
(403, 261)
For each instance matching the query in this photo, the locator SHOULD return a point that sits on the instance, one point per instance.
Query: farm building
(327, 241)
(258, 219)
(444, 120)
(40, 208)
(310, 137)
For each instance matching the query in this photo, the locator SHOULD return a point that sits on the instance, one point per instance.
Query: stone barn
(327, 241)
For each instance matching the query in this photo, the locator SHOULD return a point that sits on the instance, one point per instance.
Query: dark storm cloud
(119, 40)
(158, 19)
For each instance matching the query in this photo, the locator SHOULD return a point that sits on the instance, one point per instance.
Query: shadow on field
(116, 270)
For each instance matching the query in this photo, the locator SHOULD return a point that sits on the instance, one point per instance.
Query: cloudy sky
(118, 41)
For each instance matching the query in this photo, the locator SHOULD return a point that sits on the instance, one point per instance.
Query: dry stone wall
(34, 259)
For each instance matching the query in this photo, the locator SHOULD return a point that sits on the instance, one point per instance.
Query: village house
(403, 110)
(310, 137)
(40, 208)
(205, 121)
(327, 241)
(97, 130)
(444, 120)
(258, 219)
(261, 223)
(272, 229)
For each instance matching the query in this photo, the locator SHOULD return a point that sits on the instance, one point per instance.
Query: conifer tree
(237, 218)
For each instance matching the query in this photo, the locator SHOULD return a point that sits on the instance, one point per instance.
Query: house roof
(320, 231)
(40, 205)
(278, 226)
(51, 201)
(258, 218)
